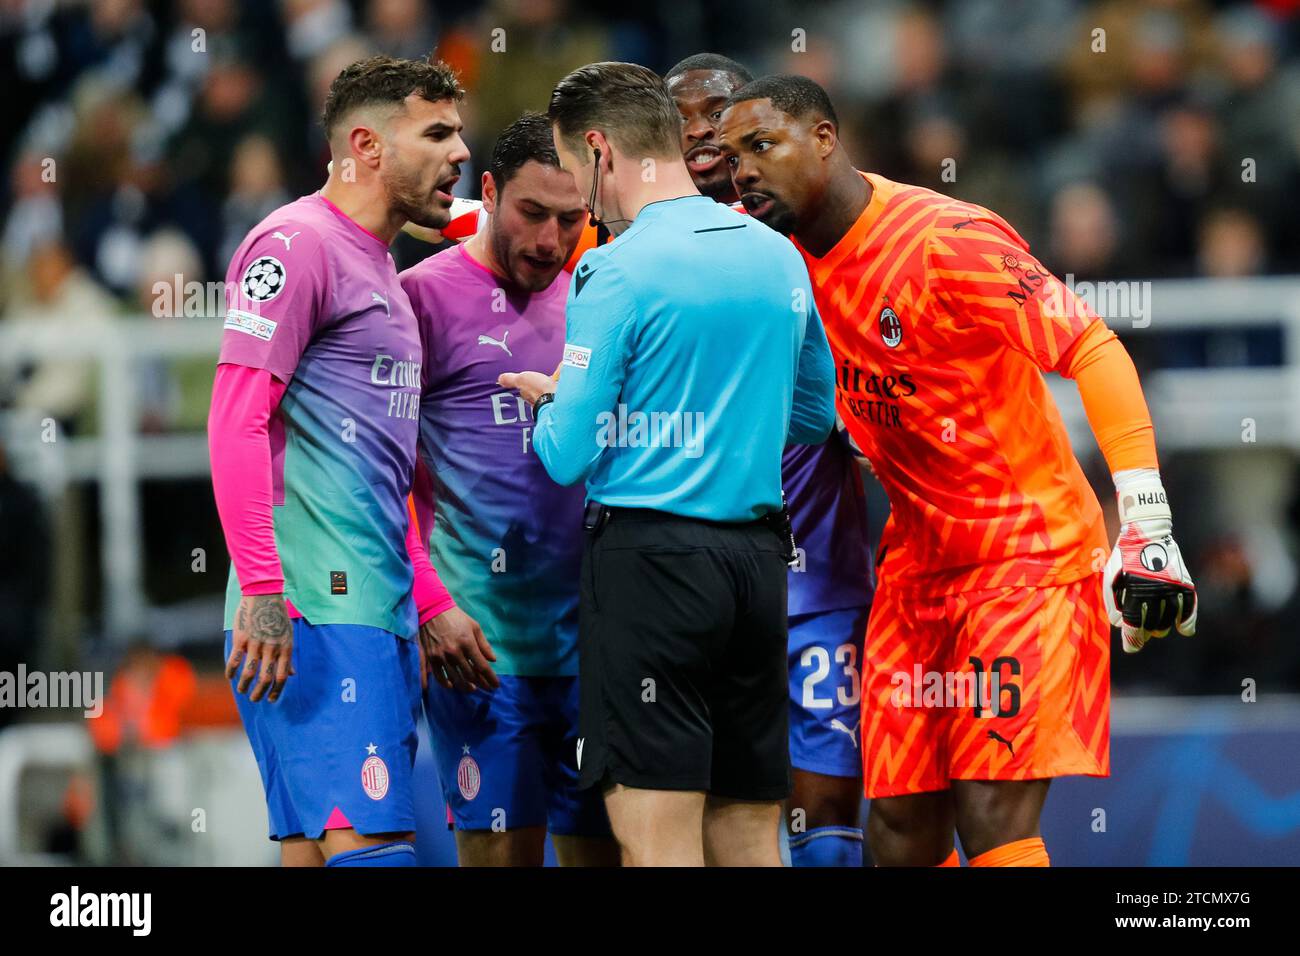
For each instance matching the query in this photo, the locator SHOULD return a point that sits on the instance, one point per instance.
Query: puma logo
(837, 724)
(376, 297)
(958, 225)
(499, 343)
(285, 239)
(994, 735)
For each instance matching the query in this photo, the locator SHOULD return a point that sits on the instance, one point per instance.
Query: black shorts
(682, 657)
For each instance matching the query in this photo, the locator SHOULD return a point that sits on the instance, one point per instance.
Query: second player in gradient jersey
(507, 538)
(494, 537)
(915, 363)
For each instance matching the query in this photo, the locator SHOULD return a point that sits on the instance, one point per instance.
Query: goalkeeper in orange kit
(986, 668)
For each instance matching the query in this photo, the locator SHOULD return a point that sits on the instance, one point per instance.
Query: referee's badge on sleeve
(575, 356)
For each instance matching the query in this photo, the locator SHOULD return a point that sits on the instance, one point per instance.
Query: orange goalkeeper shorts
(998, 684)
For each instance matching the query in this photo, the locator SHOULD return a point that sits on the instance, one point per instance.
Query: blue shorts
(337, 748)
(508, 759)
(826, 690)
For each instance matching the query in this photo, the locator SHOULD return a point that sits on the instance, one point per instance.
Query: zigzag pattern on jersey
(1059, 638)
(959, 498)
(901, 751)
(1003, 628)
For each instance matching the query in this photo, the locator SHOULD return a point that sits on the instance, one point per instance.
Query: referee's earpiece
(595, 178)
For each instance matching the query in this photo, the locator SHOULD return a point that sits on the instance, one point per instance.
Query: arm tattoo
(270, 622)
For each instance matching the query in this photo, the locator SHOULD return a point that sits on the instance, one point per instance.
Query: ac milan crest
(374, 777)
(468, 777)
(891, 327)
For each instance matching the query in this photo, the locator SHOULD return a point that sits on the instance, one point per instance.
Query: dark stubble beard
(501, 248)
(405, 198)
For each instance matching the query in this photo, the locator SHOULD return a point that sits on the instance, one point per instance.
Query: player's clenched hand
(1147, 589)
(531, 385)
(456, 652)
(262, 640)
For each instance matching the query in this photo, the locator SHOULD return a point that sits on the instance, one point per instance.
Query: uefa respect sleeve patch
(237, 320)
(575, 356)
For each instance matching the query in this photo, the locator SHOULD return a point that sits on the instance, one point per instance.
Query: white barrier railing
(119, 456)
(1204, 408)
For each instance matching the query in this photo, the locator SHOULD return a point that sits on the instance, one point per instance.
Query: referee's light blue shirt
(693, 354)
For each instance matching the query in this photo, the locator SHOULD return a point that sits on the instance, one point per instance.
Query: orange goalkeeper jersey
(941, 323)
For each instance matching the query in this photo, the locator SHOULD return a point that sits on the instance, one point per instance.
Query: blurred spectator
(119, 188)
(1134, 47)
(111, 43)
(103, 205)
(200, 26)
(312, 26)
(1260, 115)
(24, 575)
(144, 710)
(63, 297)
(1084, 233)
(1009, 52)
(1169, 195)
(36, 215)
(235, 101)
(1231, 245)
(320, 74)
(907, 129)
(146, 702)
(173, 393)
(257, 189)
(404, 28)
(542, 42)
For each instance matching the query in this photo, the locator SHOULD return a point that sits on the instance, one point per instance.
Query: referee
(682, 383)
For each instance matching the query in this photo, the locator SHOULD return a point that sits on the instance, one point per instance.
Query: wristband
(1141, 495)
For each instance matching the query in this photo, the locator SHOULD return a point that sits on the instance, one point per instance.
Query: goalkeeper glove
(1147, 589)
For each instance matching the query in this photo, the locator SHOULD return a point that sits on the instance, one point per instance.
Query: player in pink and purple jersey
(312, 434)
(507, 540)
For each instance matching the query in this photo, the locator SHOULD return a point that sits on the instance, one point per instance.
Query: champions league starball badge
(263, 279)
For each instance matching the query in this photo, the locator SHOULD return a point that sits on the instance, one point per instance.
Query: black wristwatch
(543, 399)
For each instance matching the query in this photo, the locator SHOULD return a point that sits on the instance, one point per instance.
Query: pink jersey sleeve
(239, 445)
(431, 595)
(278, 297)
